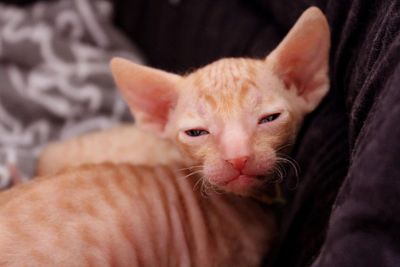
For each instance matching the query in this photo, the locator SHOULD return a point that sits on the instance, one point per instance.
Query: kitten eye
(268, 118)
(196, 132)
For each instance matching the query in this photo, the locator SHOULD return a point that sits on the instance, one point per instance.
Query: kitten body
(123, 215)
(122, 144)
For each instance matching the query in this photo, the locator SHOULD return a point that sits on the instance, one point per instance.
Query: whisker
(277, 171)
(292, 163)
(284, 146)
(287, 157)
(203, 188)
(208, 188)
(191, 167)
(214, 189)
(191, 174)
(198, 182)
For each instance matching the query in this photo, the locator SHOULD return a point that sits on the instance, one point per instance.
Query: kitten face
(233, 117)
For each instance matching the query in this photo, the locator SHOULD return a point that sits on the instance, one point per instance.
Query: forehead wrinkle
(251, 70)
(224, 85)
(211, 101)
(243, 94)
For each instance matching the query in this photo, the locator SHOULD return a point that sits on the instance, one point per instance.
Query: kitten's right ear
(150, 93)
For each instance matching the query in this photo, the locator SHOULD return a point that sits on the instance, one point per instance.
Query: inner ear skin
(301, 59)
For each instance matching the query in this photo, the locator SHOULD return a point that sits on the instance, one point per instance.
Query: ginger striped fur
(124, 215)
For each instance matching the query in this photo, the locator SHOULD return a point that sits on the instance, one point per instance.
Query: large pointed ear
(301, 60)
(150, 93)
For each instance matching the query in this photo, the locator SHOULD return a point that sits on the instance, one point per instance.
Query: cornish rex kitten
(230, 118)
(123, 144)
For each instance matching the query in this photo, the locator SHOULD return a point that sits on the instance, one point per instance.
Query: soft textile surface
(54, 77)
(351, 145)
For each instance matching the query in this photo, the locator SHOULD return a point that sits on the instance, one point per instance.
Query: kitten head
(234, 117)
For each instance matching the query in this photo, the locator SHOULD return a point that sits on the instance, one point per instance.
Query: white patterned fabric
(54, 77)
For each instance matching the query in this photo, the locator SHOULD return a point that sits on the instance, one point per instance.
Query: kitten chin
(243, 185)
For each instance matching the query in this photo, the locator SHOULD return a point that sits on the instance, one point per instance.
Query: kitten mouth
(241, 179)
(241, 184)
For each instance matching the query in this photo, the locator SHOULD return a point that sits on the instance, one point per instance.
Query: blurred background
(54, 77)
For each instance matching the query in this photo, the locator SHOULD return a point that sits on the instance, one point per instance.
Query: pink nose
(238, 163)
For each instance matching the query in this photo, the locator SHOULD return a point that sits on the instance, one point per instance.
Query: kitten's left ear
(150, 93)
(301, 59)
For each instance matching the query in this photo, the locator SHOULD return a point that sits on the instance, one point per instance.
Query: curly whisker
(284, 146)
(191, 168)
(191, 174)
(292, 163)
(198, 183)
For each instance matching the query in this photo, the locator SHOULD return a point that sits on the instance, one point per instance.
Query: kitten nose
(238, 163)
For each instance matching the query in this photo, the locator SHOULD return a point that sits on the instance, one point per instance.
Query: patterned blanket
(54, 78)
